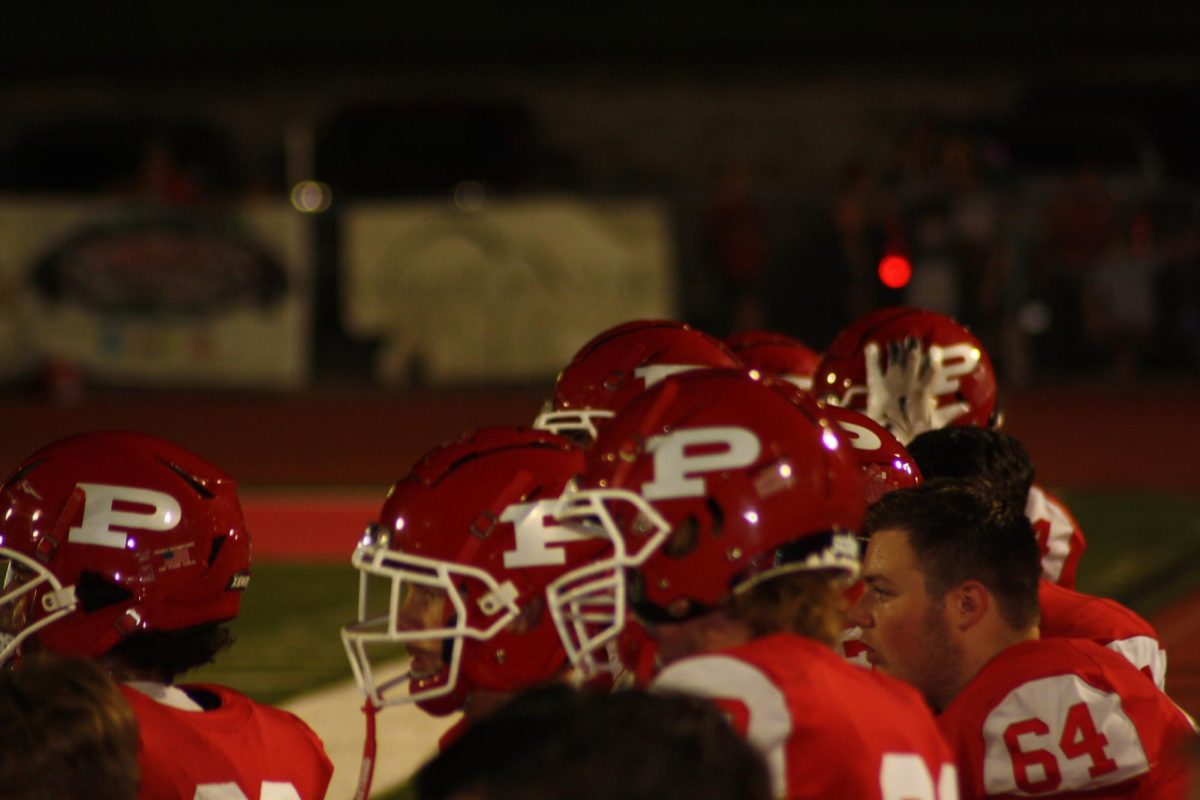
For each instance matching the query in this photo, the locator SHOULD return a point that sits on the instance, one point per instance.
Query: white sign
(509, 292)
(150, 298)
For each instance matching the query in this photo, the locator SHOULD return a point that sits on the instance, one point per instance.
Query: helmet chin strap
(47, 547)
(366, 771)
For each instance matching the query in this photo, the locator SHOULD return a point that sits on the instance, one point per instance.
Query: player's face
(14, 608)
(906, 629)
(423, 608)
(677, 640)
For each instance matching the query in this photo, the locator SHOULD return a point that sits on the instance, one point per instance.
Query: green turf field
(1143, 549)
(287, 634)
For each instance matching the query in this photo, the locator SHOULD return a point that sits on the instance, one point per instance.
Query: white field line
(406, 736)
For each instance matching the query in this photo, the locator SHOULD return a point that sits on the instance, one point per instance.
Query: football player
(733, 503)
(460, 569)
(951, 607)
(999, 460)
(620, 363)
(131, 550)
(885, 466)
(912, 371)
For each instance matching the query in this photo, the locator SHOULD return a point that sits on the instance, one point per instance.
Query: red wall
(1079, 438)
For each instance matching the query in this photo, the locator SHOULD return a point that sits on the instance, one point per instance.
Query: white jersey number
(1062, 748)
(271, 790)
(905, 776)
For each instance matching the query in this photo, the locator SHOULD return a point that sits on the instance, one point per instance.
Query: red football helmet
(471, 522)
(712, 482)
(618, 365)
(106, 533)
(776, 354)
(911, 371)
(884, 462)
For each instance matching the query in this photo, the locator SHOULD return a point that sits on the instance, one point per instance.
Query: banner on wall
(508, 292)
(156, 297)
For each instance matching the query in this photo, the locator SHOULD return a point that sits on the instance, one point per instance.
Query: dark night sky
(49, 38)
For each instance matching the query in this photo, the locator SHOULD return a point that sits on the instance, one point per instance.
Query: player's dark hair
(166, 655)
(555, 742)
(68, 732)
(961, 531)
(964, 453)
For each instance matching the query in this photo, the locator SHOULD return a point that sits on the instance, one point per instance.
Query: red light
(895, 271)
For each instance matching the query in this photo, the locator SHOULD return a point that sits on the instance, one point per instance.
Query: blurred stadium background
(312, 244)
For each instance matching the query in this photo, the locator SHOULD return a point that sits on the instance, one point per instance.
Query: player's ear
(968, 604)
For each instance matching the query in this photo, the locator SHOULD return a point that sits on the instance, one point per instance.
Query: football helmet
(910, 370)
(470, 526)
(776, 354)
(712, 482)
(618, 365)
(103, 534)
(884, 462)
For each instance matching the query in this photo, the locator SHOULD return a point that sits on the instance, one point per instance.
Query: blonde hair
(807, 603)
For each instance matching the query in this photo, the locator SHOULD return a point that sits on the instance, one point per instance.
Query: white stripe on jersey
(723, 677)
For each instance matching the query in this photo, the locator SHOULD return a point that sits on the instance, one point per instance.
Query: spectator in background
(836, 280)
(737, 241)
(1120, 315)
(555, 742)
(974, 216)
(67, 733)
(1077, 232)
(1177, 294)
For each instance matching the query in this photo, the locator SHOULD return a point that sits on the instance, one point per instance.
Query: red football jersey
(1050, 717)
(1060, 540)
(241, 749)
(1073, 615)
(825, 727)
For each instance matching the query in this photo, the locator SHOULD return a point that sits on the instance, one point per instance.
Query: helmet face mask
(589, 603)
(580, 426)
(387, 580)
(21, 579)
(118, 532)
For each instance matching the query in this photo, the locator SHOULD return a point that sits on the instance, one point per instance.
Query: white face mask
(20, 577)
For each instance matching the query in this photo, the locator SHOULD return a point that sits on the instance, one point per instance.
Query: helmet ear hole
(96, 592)
(683, 539)
(716, 517)
(217, 542)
